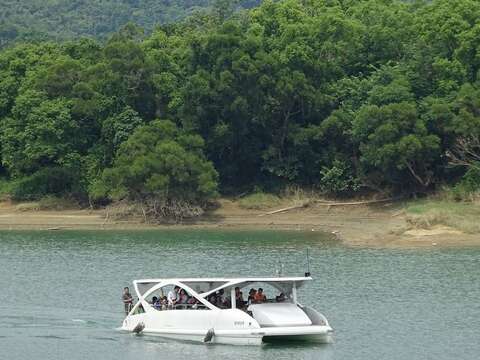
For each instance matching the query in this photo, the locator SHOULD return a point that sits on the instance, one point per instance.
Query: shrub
(6, 187)
(48, 181)
(338, 179)
(469, 187)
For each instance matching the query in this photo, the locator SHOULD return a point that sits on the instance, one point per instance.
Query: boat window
(205, 286)
(162, 299)
(138, 310)
(144, 287)
(270, 293)
(220, 299)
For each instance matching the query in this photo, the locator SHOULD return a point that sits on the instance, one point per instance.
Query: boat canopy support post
(233, 298)
(294, 292)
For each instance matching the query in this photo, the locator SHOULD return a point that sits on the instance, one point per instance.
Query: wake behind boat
(214, 310)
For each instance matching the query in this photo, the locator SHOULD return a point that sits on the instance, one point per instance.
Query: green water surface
(60, 293)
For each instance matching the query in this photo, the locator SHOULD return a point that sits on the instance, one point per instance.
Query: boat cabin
(216, 293)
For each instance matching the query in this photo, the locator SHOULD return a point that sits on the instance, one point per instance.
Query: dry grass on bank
(52, 203)
(259, 201)
(424, 214)
(292, 196)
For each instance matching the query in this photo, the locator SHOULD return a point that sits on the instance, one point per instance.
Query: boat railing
(186, 307)
(181, 307)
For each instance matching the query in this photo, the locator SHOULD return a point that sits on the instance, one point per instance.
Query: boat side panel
(202, 320)
(240, 338)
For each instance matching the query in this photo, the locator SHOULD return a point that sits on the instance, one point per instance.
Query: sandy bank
(377, 225)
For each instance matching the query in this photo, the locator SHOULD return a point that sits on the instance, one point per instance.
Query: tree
(162, 166)
(40, 133)
(395, 143)
(117, 129)
(321, 93)
(465, 150)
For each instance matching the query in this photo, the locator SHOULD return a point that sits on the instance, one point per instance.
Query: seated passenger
(239, 302)
(251, 296)
(212, 299)
(221, 300)
(193, 302)
(260, 296)
(155, 303)
(183, 297)
(163, 302)
(172, 296)
(281, 297)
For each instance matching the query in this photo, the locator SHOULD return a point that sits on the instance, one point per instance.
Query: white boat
(280, 318)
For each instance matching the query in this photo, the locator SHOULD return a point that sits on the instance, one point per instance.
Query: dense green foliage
(160, 161)
(339, 95)
(67, 19)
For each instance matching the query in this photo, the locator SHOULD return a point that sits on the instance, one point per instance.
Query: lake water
(60, 293)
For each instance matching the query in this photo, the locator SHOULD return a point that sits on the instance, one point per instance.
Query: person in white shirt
(172, 296)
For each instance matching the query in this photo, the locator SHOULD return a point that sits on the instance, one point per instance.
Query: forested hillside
(68, 19)
(341, 96)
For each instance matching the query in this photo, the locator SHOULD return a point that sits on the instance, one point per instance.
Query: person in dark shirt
(281, 297)
(212, 299)
(127, 300)
(239, 302)
(221, 299)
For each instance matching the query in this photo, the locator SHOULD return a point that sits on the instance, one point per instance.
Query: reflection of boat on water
(226, 318)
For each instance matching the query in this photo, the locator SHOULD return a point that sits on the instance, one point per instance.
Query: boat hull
(314, 333)
(319, 334)
(312, 338)
(226, 339)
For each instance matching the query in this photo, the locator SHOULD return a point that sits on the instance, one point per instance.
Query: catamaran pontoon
(203, 321)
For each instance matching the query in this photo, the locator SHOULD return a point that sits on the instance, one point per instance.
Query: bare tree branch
(465, 152)
(417, 177)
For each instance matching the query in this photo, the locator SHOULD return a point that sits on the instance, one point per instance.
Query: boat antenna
(280, 268)
(307, 274)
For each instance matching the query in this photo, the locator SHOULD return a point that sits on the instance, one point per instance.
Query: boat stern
(312, 333)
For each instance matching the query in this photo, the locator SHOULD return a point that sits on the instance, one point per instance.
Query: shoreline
(378, 225)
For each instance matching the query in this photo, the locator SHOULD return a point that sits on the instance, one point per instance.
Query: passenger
(221, 300)
(163, 302)
(260, 296)
(172, 296)
(127, 299)
(251, 296)
(183, 297)
(281, 297)
(239, 302)
(156, 303)
(212, 299)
